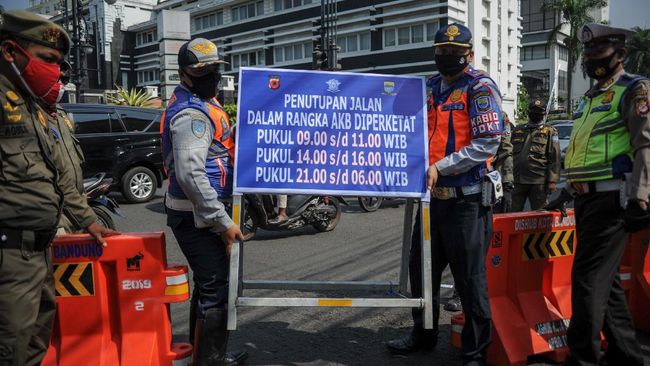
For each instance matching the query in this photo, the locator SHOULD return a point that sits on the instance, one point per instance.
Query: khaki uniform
(34, 184)
(536, 157)
(73, 155)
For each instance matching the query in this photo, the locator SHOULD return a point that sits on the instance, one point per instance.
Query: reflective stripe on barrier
(113, 302)
(529, 284)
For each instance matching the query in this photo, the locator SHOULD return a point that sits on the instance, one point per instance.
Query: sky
(14, 4)
(628, 13)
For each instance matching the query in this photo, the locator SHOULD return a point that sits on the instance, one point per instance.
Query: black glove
(636, 218)
(508, 186)
(559, 204)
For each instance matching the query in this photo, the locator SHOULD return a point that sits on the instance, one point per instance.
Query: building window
(288, 4)
(293, 52)
(539, 52)
(146, 37)
(250, 10)
(248, 59)
(564, 53)
(148, 76)
(562, 81)
(410, 34)
(207, 21)
(536, 82)
(354, 42)
(534, 19)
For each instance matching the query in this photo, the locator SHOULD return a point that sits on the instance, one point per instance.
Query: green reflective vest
(599, 135)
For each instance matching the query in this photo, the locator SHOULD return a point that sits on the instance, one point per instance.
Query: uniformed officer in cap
(607, 165)
(33, 184)
(198, 149)
(503, 162)
(465, 123)
(536, 157)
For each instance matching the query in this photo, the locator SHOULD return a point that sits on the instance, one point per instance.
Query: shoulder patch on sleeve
(198, 128)
(641, 107)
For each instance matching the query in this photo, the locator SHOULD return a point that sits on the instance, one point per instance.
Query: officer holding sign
(609, 149)
(465, 126)
(198, 150)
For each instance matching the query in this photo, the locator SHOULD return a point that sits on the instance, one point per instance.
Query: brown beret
(34, 28)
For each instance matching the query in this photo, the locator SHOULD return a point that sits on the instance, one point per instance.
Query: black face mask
(600, 68)
(536, 118)
(450, 65)
(206, 87)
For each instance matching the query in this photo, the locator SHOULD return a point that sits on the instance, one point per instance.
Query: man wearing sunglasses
(198, 150)
(35, 184)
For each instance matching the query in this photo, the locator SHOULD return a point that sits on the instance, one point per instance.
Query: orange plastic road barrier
(529, 282)
(113, 302)
(635, 277)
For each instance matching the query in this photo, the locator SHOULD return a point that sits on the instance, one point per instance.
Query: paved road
(365, 246)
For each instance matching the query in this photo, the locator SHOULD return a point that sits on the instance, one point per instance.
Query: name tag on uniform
(453, 107)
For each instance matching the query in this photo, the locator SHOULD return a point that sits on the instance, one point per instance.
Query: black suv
(123, 142)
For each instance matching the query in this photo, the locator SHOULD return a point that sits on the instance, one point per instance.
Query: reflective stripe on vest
(220, 158)
(599, 138)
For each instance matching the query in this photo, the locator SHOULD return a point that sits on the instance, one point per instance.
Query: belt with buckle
(26, 239)
(609, 185)
(445, 193)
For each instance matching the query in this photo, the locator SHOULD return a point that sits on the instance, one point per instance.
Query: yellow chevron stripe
(76, 275)
(58, 272)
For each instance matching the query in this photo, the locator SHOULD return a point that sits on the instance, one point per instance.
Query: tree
(574, 15)
(638, 57)
(231, 110)
(523, 100)
(135, 98)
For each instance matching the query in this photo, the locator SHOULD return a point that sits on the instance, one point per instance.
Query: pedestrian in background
(36, 183)
(536, 158)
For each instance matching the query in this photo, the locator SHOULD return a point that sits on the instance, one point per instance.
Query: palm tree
(575, 14)
(136, 98)
(638, 57)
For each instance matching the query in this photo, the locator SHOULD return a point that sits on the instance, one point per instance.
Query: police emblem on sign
(274, 82)
(389, 87)
(333, 85)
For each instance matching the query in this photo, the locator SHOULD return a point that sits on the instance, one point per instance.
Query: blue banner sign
(330, 133)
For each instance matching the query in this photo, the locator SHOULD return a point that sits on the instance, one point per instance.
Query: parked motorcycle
(96, 189)
(321, 212)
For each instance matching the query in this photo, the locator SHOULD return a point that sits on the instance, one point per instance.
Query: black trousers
(460, 234)
(598, 301)
(206, 254)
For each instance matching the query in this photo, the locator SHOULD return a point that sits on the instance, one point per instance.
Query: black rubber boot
(211, 338)
(418, 340)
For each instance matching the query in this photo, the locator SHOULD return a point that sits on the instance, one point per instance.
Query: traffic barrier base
(529, 282)
(635, 278)
(113, 302)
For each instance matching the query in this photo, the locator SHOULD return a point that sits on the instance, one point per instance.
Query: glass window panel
(403, 35)
(296, 3)
(432, 28)
(308, 49)
(297, 51)
(417, 33)
(288, 53)
(251, 10)
(260, 8)
(235, 14)
(364, 39)
(242, 13)
(261, 58)
(389, 37)
(136, 121)
(219, 18)
(279, 54)
(244, 60)
(352, 43)
(277, 5)
(205, 22)
(287, 4)
(235, 61)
